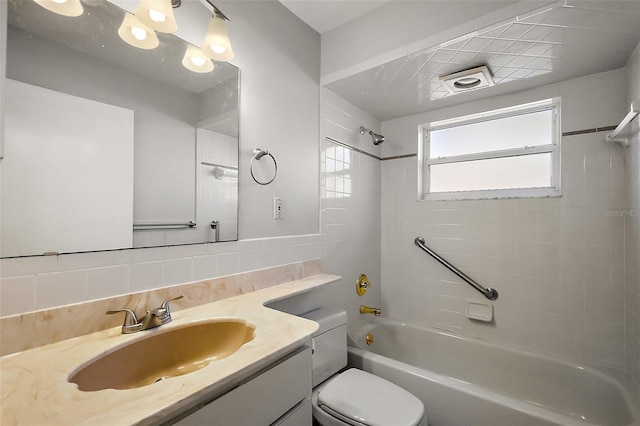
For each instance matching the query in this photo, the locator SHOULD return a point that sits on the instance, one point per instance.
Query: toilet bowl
(353, 397)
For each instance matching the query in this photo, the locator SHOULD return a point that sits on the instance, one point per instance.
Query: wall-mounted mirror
(108, 146)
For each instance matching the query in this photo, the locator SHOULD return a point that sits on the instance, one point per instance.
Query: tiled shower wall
(350, 201)
(632, 224)
(557, 263)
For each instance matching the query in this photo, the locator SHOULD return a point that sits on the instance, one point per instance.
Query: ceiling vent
(467, 80)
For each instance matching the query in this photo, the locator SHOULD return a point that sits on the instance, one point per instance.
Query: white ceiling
(325, 15)
(564, 40)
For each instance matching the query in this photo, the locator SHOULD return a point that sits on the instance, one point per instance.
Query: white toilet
(353, 397)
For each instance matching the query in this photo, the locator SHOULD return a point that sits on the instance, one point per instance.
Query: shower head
(377, 139)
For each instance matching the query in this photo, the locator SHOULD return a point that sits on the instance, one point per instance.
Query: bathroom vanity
(281, 396)
(265, 381)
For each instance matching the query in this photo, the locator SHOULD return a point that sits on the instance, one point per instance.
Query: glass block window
(337, 171)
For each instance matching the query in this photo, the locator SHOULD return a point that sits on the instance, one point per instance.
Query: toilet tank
(329, 343)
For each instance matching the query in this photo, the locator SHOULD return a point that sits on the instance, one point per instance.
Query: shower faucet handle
(362, 285)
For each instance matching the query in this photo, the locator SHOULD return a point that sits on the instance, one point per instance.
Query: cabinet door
(302, 415)
(262, 400)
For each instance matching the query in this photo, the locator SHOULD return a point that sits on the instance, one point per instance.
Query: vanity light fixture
(196, 61)
(62, 7)
(157, 15)
(217, 45)
(137, 34)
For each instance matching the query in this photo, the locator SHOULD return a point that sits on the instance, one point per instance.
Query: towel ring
(257, 155)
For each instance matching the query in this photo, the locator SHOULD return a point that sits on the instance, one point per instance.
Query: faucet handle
(163, 312)
(129, 318)
(165, 304)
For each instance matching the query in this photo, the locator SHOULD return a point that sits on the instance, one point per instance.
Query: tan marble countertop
(35, 390)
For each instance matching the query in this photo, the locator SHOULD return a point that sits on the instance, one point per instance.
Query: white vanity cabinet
(278, 395)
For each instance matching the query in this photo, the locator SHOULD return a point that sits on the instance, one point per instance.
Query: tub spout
(369, 310)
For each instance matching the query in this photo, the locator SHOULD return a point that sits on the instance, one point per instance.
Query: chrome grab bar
(489, 293)
(160, 225)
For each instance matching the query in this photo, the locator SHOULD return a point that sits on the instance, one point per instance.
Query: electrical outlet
(277, 208)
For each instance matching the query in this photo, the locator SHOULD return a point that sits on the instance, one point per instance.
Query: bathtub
(465, 381)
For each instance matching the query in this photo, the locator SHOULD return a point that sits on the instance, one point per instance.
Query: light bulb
(194, 60)
(157, 16)
(62, 7)
(138, 33)
(218, 49)
(216, 43)
(198, 60)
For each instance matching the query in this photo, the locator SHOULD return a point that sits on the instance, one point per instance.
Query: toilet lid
(371, 400)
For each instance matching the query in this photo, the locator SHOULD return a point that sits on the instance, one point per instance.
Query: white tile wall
(350, 218)
(632, 226)
(557, 262)
(341, 121)
(60, 288)
(18, 294)
(350, 226)
(105, 282)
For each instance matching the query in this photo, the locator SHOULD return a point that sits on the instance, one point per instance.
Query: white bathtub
(465, 382)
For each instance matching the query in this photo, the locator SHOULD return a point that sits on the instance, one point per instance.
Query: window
(508, 153)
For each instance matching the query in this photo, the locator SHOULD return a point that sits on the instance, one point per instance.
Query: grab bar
(489, 293)
(170, 225)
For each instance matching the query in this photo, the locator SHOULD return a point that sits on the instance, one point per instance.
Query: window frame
(424, 162)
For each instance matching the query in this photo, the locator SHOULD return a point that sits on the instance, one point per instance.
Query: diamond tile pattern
(563, 41)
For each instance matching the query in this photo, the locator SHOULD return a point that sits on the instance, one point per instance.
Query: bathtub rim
(628, 387)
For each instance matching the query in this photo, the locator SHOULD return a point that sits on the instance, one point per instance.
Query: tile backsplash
(41, 282)
(32, 329)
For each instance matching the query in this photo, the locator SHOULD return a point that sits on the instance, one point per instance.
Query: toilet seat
(360, 398)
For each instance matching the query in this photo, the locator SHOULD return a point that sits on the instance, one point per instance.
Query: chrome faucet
(151, 319)
(369, 310)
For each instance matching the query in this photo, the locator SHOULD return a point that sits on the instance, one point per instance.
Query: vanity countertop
(35, 390)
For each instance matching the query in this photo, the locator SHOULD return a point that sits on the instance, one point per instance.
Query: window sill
(495, 194)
